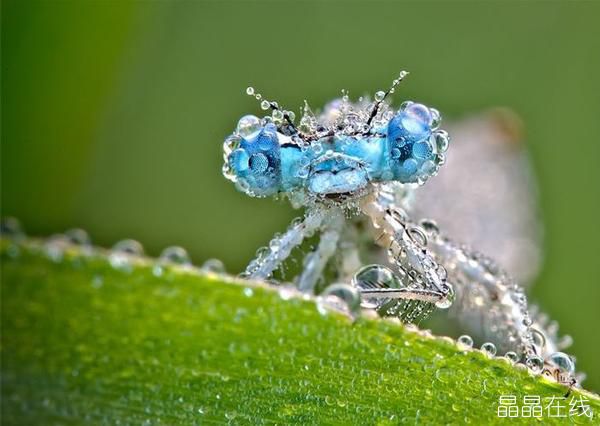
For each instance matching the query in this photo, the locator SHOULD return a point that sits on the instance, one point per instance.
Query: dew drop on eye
(248, 127)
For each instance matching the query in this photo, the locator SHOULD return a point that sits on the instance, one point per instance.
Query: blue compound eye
(415, 152)
(255, 162)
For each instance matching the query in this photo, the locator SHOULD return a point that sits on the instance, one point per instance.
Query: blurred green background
(114, 113)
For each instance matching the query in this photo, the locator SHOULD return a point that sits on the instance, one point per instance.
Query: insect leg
(315, 262)
(280, 247)
(418, 282)
(406, 244)
(349, 260)
(394, 294)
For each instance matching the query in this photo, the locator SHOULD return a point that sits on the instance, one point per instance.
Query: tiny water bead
(11, 227)
(535, 363)
(436, 119)
(122, 253)
(430, 227)
(512, 357)
(277, 115)
(78, 236)
(563, 361)
(444, 374)
(55, 247)
(176, 255)
(442, 140)
(339, 292)
(413, 123)
(466, 340)
(248, 127)
(489, 348)
(173, 255)
(215, 266)
(129, 247)
(447, 301)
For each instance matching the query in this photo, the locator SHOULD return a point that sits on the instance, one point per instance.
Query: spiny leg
(314, 263)
(270, 258)
(392, 294)
(418, 283)
(406, 244)
(349, 259)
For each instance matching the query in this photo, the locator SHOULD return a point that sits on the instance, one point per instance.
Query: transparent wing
(486, 196)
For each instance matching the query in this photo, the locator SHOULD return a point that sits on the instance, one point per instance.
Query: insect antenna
(266, 104)
(380, 96)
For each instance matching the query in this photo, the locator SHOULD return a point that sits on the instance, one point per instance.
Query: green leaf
(84, 342)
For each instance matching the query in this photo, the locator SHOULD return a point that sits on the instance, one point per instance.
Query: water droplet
(291, 115)
(435, 118)
(442, 140)
(347, 294)
(129, 246)
(122, 253)
(286, 292)
(512, 357)
(265, 105)
(466, 340)
(11, 227)
(563, 361)
(249, 127)
(489, 348)
(78, 236)
(535, 363)
(329, 400)
(55, 247)
(405, 105)
(379, 96)
(230, 144)
(230, 415)
(248, 292)
(274, 243)
(213, 265)
(250, 91)
(13, 251)
(447, 301)
(175, 254)
(443, 374)
(277, 115)
(430, 227)
(539, 339)
(375, 276)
